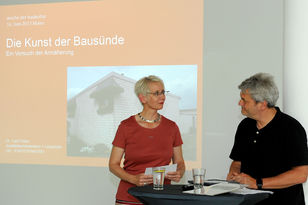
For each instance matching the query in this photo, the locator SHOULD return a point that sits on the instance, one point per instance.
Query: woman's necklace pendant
(149, 121)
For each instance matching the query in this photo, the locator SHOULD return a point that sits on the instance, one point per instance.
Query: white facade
(95, 113)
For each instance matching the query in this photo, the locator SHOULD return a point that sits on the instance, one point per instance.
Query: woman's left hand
(174, 176)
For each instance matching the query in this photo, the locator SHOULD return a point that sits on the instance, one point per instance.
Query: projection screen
(68, 70)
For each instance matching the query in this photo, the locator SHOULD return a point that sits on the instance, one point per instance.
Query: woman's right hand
(142, 179)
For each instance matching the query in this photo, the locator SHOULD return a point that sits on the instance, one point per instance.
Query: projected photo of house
(99, 98)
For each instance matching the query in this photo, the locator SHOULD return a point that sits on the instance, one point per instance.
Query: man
(270, 148)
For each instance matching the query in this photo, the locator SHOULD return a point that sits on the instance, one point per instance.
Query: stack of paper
(215, 189)
(225, 187)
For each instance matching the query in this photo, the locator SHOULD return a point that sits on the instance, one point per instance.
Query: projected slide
(68, 71)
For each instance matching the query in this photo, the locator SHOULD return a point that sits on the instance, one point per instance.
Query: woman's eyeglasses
(157, 93)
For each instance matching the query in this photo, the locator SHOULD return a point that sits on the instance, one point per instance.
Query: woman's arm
(178, 159)
(114, 167)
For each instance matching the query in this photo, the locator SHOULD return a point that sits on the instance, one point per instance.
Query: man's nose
(240, 103)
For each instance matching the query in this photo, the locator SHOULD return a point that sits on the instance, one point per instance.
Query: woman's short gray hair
(261, 87)
(142, 85)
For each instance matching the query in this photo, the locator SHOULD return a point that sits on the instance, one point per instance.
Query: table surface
(172, 194)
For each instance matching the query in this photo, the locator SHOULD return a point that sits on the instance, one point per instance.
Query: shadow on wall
(76, 147)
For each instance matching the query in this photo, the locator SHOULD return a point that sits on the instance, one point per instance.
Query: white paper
(225, 187)
(215, 189)
(168, 168)
(245, 191)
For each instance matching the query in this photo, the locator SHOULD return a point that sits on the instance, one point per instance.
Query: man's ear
(142, 98)
(263, 105)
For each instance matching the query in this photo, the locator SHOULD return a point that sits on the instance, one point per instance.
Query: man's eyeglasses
(157, 93)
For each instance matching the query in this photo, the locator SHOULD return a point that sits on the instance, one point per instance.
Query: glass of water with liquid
(198, 177)
(158, 178)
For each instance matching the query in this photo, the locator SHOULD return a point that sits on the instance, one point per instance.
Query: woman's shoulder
(128, 121)
(167, 121)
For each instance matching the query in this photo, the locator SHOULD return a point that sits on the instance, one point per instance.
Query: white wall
(296, 63)
(242, 37)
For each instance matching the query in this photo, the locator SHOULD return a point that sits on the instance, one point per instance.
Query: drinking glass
(198, 176)
(158, 178)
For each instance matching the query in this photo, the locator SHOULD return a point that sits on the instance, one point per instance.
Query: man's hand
(235, 169)
(243, 178)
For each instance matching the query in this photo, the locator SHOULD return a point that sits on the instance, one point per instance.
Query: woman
(147, 139)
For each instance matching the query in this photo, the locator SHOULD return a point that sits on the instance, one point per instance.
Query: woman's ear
(142, 98)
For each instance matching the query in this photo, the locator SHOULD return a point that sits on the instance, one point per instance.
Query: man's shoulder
(287, 122)
(247, 121)
(288, 119)
(246, 124)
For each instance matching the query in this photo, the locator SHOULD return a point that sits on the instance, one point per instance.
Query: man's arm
(296, 175)
(235, 169)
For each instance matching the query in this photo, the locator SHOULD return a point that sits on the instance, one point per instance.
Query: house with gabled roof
(94, 114)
